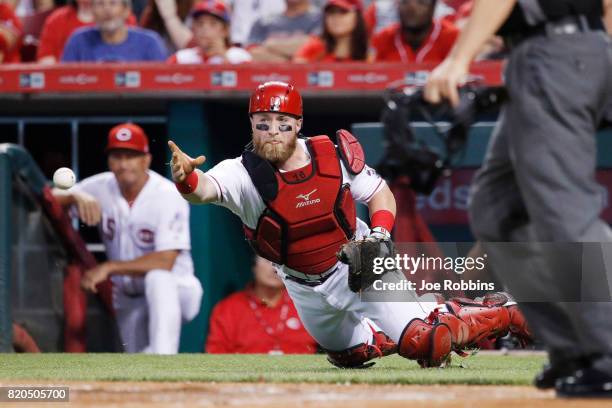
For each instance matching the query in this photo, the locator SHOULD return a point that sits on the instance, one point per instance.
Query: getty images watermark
(410, 265)
(582, 271)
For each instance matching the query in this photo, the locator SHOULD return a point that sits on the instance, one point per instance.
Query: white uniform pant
(338, 319)
(151, 309)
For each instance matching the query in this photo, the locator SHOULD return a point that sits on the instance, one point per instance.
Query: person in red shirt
(344, 35)
(259, 319)
(61, 24)
(10, 34)
(417, 37)
(211, 33)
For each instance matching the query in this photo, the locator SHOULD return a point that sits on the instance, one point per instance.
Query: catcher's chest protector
(312, 215)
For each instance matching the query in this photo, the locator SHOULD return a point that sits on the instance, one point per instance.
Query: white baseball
(64, 178)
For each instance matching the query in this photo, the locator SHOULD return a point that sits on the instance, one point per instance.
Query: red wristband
(384, 219)
(189, 184)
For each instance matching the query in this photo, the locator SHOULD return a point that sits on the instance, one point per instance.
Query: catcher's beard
(275, 153)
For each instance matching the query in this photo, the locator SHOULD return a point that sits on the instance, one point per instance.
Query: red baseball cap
(128, 136)
(213, 7)
(344, 4)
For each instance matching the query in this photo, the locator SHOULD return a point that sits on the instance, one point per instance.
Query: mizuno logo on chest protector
(307, 200)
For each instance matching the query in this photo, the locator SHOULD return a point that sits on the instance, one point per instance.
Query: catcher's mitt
(360, 255)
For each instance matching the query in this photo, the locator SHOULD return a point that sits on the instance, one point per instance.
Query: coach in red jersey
(260, 319)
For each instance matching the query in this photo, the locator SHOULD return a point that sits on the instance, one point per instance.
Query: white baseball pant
(151, 309)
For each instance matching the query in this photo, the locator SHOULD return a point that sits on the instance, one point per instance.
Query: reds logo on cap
(128, 136)
(275, 103)
(124, 134)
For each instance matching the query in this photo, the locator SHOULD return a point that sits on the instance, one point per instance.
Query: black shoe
(549, 375)
(587, 382)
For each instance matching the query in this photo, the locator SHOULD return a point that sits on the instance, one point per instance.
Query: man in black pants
(537, 186)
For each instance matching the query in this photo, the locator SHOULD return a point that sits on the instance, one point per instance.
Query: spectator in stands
(418, 37)
(246, 12)
(112, 40)
(61, 24)
(277, 38)
(259, 319)
(10, 33)
(33, 23)
(170, 18)
(344, 35)
(382, 13)
(58, 27)
(25, 8)
(211, 31)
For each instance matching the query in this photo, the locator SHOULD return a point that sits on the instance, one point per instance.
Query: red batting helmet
(276, 97)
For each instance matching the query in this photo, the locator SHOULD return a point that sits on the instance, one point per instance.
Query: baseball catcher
(296, 199)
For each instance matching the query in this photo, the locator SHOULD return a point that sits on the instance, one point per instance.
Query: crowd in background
(239, 31)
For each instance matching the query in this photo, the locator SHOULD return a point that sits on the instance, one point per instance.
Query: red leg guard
(429, 344)
(467, 323)
(460, 331)
(518, 325)
(482, 322)
(384, 343)
(359, 355)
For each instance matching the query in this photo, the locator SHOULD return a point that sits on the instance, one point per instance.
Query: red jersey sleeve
(313, 50)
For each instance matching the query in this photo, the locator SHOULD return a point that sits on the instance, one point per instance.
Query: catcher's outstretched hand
(182, 164)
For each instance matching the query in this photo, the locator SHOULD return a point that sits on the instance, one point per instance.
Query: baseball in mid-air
(64, 178)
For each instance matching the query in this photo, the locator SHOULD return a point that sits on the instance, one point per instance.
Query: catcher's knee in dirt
(359, 355)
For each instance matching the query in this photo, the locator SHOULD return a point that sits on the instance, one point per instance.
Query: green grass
(478, 369)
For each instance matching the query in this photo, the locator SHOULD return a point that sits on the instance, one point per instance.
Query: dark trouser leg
(497, 214)
(538, 185)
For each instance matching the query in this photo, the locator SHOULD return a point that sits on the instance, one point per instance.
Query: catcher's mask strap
(262, 174)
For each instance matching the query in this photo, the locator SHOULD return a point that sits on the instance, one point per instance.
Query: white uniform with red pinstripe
(336, 317)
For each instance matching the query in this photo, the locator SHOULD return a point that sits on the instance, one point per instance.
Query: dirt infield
(153, 395)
